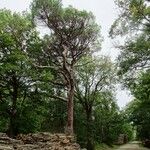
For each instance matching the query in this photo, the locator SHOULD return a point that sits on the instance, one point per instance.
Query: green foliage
(139, 109)
(133, 17)
(141, 88)
(17, 76)
(55, 117)
(101, 121)
(3, 124)
(139, 115)
(107, 118)
(134, 59)
(133, 23)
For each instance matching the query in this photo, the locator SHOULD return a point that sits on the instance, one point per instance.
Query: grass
(105, 147)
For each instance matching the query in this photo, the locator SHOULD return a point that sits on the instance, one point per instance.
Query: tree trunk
(90, 144)
(13, 109)
(11, 130)
(70, 108)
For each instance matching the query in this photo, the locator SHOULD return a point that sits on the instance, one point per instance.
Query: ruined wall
(38, 141)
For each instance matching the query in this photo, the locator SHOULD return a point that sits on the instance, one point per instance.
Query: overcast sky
(105, 12)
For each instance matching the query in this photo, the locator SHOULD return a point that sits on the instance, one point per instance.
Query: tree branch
(45, 67)
(58, 97)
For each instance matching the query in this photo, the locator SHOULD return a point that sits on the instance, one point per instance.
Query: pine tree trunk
(70, 108)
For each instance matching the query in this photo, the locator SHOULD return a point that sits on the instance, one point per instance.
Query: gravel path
(132, 146)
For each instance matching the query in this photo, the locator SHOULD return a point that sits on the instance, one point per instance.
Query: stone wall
(38, 141)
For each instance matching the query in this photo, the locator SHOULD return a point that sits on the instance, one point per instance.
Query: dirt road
(132, 146)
